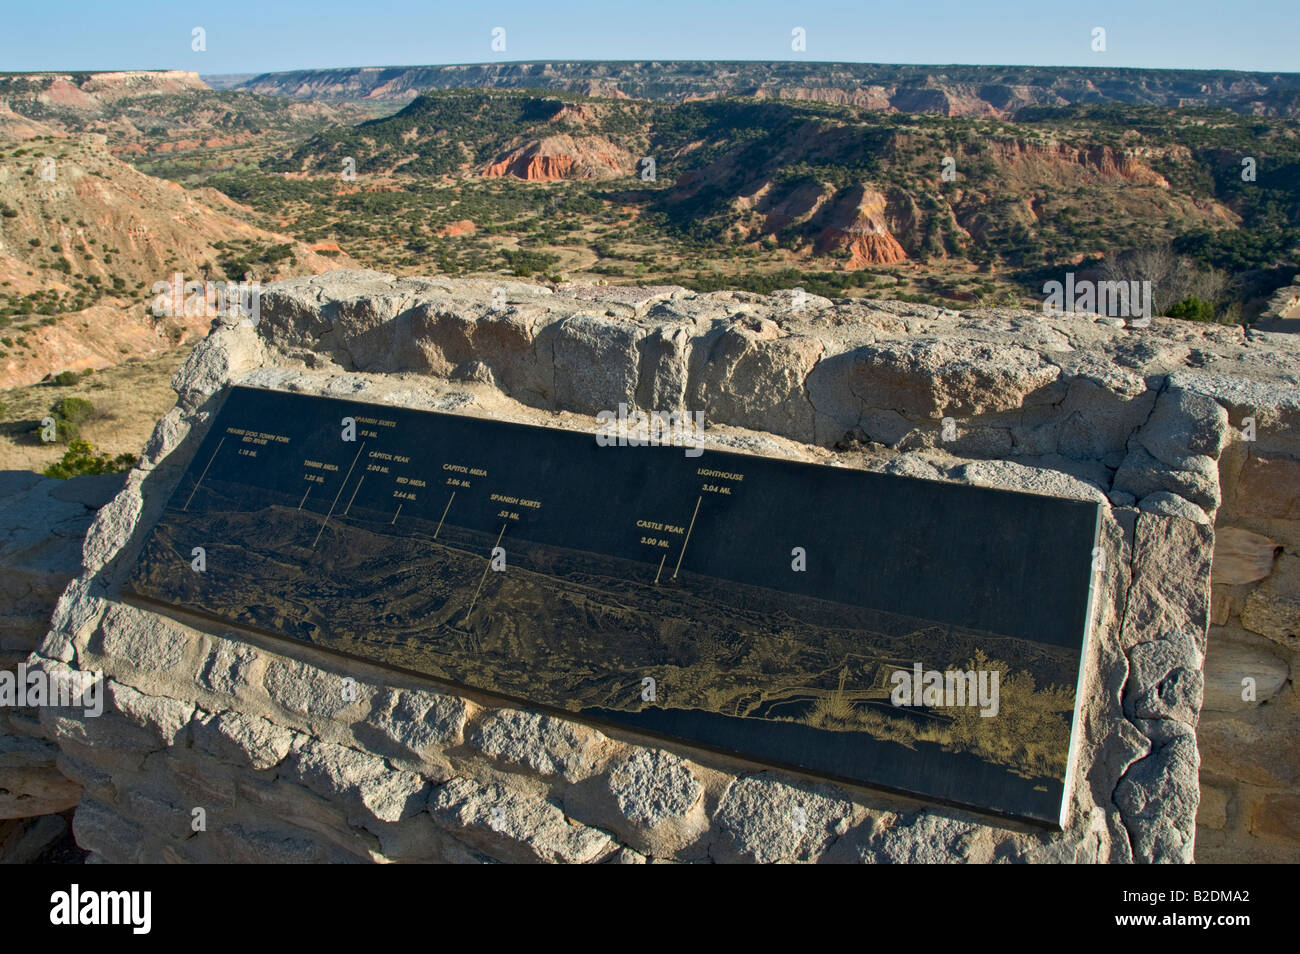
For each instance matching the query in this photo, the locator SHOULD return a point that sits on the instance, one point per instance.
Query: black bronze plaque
(911, 635)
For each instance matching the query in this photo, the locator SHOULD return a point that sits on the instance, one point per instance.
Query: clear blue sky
(253, 36)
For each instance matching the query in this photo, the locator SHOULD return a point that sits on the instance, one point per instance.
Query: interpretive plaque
(912, 635)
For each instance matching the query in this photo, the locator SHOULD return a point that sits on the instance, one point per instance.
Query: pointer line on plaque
(304, 497)
(444, 514)
(348, 508)
(484, 576)
(688, 535)
(338, 495)
(661, 568)
(204, 474)
(396, 515)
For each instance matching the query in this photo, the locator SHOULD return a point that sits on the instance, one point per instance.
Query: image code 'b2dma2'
(904, 634)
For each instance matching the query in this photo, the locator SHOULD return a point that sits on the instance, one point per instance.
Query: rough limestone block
(92, 779)
(626, 856)
(226, 667)
(763, 819)
(171, 430)
(595, 363)
(159, 813)
(1008, 474)
(1220, 605)
(167, 718)
(1168, 600)
(259, 799)
(1142, 474)
(1241, 556)
(662, 373)
(307, 690)
(1184, 425)
(221, 357)
(1278, 817)
(141, 639)
(1257, 748)
(1171, 505)
(1233, 658)
(654, 786)
(651, 799)
(751, 376)
(104, 830)
(929, 838)
(1165, 680)
(1213, 810)
(936, 376)
(243, 740)
(112, 525)
(248, 845)
(1099, 419)
(510, 826)
(1273, 608)
(1269, 487)
(1171, 580)
(420, 839)
(30, 781)
(547, 745)
(1159, 796)
(417, 720)
(361, 780)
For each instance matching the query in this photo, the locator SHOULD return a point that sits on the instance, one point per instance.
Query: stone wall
(1250, 775)
(259, 739)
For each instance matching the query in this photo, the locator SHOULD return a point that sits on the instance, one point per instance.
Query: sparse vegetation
(748, 194)
(73, 409)
(1192, 309)
(82, 460)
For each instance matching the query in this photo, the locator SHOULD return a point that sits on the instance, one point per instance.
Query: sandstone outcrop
(857, 223)
(155, 229)
(562, 157)
(459, 227)
(1053, 159)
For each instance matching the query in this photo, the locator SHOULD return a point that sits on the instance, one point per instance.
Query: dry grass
(129, 398)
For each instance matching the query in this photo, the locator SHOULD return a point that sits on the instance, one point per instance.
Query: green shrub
(65, 432)
(82, 460)
(1193, 309)
(74, 410)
